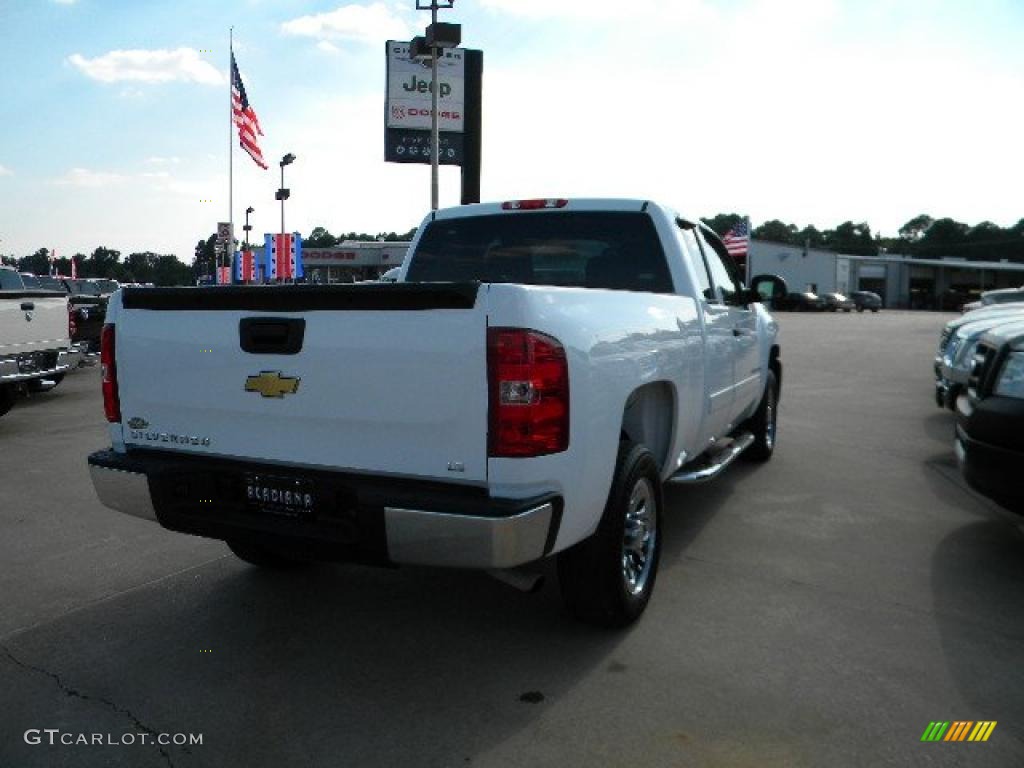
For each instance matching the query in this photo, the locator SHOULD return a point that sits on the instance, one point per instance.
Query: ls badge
(272, 384)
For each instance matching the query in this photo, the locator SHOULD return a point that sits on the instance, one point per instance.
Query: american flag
(737, 239)
(283, 255)
(245, 118)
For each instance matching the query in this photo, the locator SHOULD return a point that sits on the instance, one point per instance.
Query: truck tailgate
(389, 379)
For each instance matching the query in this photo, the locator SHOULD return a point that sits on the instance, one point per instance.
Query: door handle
(28, 306)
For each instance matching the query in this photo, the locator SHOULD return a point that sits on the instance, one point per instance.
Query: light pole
(284, 193)
(247, 228)
(437, 38)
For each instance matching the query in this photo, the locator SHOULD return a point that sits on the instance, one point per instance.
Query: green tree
(721, 223)
(38, 263)
(776, 231)
(319, 238)
(914, 229)
(810, 237)
(851, 238)
(103, 262)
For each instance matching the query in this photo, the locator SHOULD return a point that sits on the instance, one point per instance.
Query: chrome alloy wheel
(639, 537)
(769, 418)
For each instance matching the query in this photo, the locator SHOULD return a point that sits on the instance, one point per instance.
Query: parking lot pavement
(818, 610)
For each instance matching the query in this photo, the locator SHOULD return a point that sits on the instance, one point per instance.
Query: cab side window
(727, 287)
(699, 264)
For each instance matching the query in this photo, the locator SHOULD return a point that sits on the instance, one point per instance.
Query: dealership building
(902, 281)
(351, 261)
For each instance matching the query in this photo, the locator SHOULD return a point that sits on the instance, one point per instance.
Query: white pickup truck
(34, 338)
(538, 372)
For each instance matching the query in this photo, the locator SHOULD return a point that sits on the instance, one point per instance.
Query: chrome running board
(717, 462)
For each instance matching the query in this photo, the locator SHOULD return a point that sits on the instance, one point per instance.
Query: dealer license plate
(280, 495)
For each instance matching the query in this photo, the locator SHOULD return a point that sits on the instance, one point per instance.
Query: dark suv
(866, 300)
(990, 418)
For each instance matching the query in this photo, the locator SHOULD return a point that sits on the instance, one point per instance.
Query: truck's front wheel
(608, 578)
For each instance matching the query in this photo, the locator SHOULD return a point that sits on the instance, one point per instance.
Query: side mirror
(767, 289)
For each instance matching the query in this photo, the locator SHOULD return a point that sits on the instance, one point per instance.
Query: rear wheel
(608, 578)
(264, 557)
(762, 425)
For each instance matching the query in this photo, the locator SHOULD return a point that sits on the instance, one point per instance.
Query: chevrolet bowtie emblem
(272, 384)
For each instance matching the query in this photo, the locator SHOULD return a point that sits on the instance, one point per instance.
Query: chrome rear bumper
(508, 534)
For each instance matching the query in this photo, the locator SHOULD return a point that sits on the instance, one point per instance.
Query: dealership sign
(410, 88)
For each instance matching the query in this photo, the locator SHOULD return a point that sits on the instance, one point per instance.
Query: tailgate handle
(28, 306)
(271, 335)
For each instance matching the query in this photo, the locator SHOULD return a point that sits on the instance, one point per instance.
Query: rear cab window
(10, 281)
(616, 250)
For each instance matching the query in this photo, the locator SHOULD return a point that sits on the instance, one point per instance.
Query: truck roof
(571, 204)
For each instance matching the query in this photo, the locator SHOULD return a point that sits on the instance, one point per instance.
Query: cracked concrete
(74, 693)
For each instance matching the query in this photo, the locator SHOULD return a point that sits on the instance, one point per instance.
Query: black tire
(860, 309)
(7, 396)
(874, 309)
(593, 574)
(254, 554)
(763, 424)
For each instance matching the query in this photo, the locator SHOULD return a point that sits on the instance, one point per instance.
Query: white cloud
(149, 66)
(4, 171)
(163, 160)
(373, 23)
(328, 47)
(83, 177)
(65, 2)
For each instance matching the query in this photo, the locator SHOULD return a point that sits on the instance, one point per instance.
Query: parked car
(540, 371)
(866, 300)
(990, 418)
(1000, 296)
(949, 331)
(391, 276)
(953, 365)
(34, 339)
(837, 301)
(802, 301)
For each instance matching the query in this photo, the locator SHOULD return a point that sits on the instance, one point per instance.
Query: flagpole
(229, 247)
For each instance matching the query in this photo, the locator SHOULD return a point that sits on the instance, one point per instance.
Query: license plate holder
(280, 495)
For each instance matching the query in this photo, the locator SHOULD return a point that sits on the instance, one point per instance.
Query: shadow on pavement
(978, 593)
(329, 665)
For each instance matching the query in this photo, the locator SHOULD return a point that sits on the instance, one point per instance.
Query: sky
(116, 114)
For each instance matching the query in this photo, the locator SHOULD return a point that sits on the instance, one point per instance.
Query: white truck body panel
(399, 393)
(47, 329)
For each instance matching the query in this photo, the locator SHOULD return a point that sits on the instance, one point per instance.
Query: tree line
(922, 237)
(141, 267)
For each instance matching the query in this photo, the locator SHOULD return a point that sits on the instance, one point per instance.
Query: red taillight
(528, 376)
(533, 205)
(108, 374)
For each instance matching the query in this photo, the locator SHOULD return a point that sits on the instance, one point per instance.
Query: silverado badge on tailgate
(272, 384)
